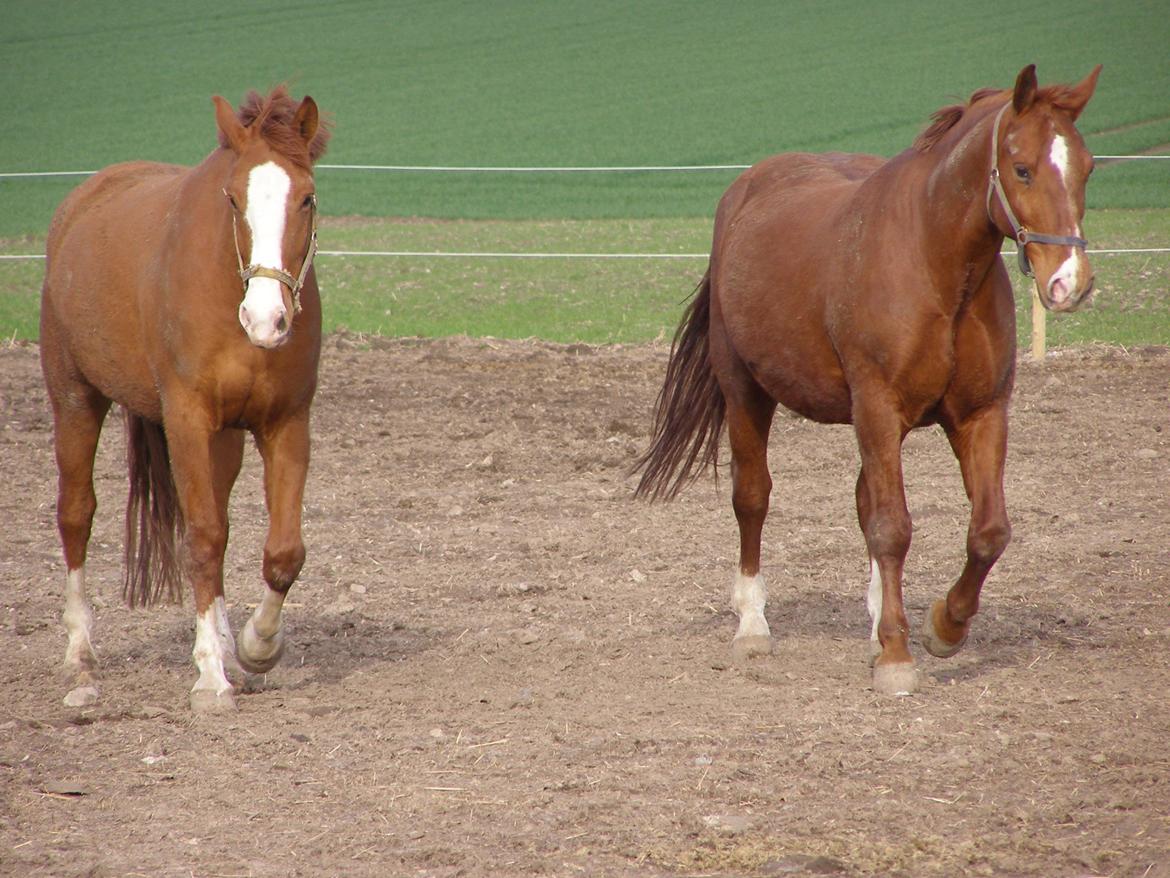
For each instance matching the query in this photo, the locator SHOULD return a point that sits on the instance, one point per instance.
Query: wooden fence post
(1039, 326)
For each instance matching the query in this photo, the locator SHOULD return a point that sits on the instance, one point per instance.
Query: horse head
(1036, 194)
(271, 195)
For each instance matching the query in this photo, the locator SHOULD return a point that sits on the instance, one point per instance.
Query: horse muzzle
(1068, 286)
(263, 314)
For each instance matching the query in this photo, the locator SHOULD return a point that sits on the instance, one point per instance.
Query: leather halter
(247, 272)
(1021, 234)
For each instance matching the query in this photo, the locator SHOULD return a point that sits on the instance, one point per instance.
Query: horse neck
(203, 202)
(954, 212)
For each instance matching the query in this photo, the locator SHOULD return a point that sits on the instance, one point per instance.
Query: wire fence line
(509, 169)
(477, 254)
(528, 169)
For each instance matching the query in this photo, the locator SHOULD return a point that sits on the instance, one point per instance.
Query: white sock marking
(78, 620)
(873, 600)
(208, 652)
(266, 617)
(748, 597)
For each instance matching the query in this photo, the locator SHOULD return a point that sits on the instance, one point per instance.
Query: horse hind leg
(78, 414)
(749, 420)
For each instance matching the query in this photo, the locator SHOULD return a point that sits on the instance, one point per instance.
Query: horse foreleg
(285, 451)
(885, 521)
(194, 451)
(980, 444)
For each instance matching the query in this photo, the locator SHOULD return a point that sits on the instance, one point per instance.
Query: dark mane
(274, 114)
(943, 120)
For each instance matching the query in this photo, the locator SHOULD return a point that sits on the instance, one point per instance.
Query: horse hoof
(899, 678)
(256, 654)
(751, 646)
(210, 701)
(930, 639)
(82, 696)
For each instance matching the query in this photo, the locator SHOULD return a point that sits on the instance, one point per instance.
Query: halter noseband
(1022, 235)
(247, 272)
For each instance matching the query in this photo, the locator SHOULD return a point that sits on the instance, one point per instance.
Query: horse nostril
(282, 323)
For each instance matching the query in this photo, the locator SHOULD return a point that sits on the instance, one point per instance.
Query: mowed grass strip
(603, 301)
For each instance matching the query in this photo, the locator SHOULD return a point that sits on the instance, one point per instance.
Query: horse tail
(690, 409)
(153, 517)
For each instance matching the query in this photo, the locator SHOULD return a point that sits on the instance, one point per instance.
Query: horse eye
(232, 201)
(1023, 174)
(309, 201)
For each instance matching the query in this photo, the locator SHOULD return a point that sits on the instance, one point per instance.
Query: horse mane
(1062, 97)
(943, 120)
(274, 116)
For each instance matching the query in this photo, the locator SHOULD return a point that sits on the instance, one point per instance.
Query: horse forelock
(273, 114)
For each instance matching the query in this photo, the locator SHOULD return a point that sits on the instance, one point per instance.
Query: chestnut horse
(147, 302)
(853, 290)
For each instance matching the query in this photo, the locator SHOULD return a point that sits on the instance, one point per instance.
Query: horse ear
(1082, 91)
(306, 119)
(232, 133)
(1025, 91)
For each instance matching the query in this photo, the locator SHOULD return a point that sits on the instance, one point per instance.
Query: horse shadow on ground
(1002, 636)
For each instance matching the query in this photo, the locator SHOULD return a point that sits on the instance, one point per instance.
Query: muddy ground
(500, 664)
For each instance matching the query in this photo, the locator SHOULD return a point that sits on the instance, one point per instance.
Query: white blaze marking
(873, 599)
(748, 598)
(1068, 275)
(1058, 155)
(268, 188)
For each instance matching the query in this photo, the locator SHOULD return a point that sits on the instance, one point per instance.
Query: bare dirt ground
(500, 664)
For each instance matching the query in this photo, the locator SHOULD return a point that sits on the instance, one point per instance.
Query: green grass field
(609, 300)
(522, 82)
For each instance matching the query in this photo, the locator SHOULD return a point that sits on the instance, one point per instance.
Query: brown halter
(247, 272)
(1022, 235)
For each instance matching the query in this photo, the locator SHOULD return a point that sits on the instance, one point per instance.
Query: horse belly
(774, 315)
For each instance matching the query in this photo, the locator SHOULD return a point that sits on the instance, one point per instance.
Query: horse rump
(153, 517)
(690, 409)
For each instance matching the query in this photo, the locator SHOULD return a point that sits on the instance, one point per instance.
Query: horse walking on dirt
(854, 290)
(147, 302)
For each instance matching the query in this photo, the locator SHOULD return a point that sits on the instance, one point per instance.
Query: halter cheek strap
(247, 272)
(1022, 236)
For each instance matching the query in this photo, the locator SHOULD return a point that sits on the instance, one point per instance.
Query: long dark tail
(688, 416)
(153, 517)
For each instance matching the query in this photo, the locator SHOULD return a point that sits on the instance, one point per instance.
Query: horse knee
(888, 535)
(985, 544)
(282, 566)
(204, 550)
